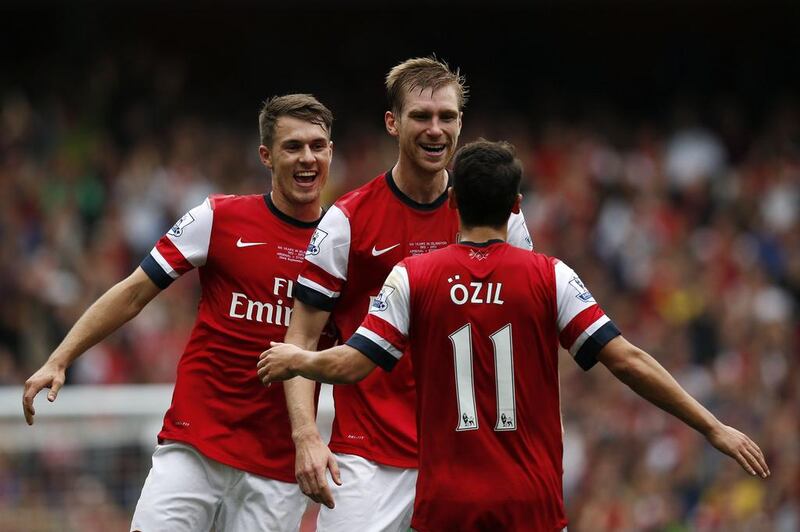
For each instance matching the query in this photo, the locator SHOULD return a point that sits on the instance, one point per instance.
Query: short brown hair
(302, 106)
(423, 73)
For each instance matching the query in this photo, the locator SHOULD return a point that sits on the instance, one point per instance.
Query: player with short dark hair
(482, 321)
(225, 457)
(400, 213)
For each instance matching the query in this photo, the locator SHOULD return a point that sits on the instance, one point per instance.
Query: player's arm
(184, 247)
(118, 305)
(645, 376)
(312, 456)
(338, 365)
(316, 292)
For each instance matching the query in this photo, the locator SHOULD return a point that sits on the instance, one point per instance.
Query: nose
(307, 156)
(435, 128)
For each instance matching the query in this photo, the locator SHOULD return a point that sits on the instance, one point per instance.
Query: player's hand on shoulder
(740, 447)
(276, 363)
(50, 375)
(313, 460)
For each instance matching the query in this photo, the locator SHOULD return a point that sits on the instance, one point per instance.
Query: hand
(50, 375)
(312, 460)
(739, 447)
(275, 363)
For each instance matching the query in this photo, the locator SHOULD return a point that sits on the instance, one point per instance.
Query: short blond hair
(423, 73)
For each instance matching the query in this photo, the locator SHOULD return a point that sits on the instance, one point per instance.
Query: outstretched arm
(645, 376)
(118, 305)
(338, 365)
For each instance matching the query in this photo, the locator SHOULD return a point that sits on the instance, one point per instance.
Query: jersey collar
(481, 244)
(288, 219)
(435, 204)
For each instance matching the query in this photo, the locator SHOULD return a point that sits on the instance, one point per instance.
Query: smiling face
(427, 128)
(300, 159)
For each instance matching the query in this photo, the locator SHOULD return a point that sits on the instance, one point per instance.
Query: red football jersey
(356, 245)
(482, 325)
(248, 254)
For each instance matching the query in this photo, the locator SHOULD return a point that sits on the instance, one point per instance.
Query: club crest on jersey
(478, 254)
(379, 303)
(316, 239)
(583, 294)
(177, 229)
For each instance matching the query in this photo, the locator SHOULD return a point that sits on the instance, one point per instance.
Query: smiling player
(225, 456)
(400, 213)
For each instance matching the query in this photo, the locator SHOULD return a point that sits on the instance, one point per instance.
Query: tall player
(400, 213)
(225, 456)
(482, 321)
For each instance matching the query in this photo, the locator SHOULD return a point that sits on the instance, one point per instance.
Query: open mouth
(433, 149)
(305, 178)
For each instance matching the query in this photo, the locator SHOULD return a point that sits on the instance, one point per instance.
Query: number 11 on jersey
(504, 378)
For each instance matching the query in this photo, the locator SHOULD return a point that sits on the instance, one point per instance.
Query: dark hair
(422, 73)
(302, 106)
(486, 177)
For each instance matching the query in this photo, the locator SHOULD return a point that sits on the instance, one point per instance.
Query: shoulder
(427, 263)
(223, 201)
(530, 259)
(355, 201)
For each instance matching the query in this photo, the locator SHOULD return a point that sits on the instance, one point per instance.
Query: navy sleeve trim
(372, 351)
(155, 272)
(586, 357)
(309, 296)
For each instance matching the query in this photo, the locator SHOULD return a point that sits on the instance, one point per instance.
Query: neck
(420, 186)
(483, 233)
(304, 212)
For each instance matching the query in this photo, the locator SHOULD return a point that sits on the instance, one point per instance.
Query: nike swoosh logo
(376, 252)
(240, 244)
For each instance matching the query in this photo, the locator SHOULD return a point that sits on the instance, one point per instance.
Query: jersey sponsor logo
(275, 312)
(475, 292)
(242, 244)
(582, 292)
(378, 252)
(177, 229)
(379, 304)
(316, 239)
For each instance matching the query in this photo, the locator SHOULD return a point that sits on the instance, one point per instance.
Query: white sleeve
(324, 270)
(384, 332)
(518, 234)
(584, 329)
(185, 246)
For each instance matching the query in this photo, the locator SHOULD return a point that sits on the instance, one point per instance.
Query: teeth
(433, 147)
(305, 174)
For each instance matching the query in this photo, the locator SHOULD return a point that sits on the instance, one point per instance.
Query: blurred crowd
(686, 230)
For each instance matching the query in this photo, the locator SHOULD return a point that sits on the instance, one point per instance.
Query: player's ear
(391, 123)
(451, 199)
(265, 155)
(517, 204)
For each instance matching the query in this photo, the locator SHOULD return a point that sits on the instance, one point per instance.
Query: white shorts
(185, 491)
(372, 497)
